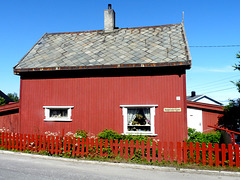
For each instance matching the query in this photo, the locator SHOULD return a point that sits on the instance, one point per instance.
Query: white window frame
(152, 115)
(47, 113)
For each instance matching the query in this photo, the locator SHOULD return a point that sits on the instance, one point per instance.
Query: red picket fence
(205, 154)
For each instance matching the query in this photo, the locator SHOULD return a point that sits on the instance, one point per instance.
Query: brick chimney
(109, 19)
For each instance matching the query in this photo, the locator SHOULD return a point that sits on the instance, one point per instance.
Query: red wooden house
(131, 80)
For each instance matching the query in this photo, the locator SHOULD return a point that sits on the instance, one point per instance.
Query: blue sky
(207, 23)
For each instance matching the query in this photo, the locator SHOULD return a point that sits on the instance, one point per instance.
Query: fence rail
(179, 152)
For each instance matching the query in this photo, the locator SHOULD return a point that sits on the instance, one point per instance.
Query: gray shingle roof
(198, 98)
(128, 47)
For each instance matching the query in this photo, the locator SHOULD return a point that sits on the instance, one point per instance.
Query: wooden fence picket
(197, 151)
(185, 156)
(142, 146)
(121, 148)
(101, 147)
(159, 151)
(116, 146)
(106, 148)
(179, 153)
(2, 139)
(216, 149)
(237, 158)
(78, 147)
(223, 152)
(171, 152)
(153, 151)
(126, 149)
(82, 147)
(6, 140)
(148, 150)
(20, 142)
(74, 147)
(204, 149)
(210, 154)
(230, 155)
(191, 149)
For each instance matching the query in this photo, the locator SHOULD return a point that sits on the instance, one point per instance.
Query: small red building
(9, 117)
(200, 115)
(131, 80)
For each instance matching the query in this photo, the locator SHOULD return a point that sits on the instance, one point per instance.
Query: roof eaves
(196, 98)
(186, 64)
(9, 107)
(204, 106)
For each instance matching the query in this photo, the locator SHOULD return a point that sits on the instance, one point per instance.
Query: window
(58, 113)
(139, 119)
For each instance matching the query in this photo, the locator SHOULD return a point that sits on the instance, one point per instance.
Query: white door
(194, 119)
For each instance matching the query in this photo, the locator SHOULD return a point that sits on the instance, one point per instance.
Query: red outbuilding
(131, 80)
(9, 117)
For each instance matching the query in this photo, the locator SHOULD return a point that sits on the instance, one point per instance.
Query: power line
(212, 83)
(218, 90)
(215, 46)
(208, 88)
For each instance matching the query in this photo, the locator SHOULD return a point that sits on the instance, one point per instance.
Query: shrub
(110, 134)
(81, 134)
(212, 137)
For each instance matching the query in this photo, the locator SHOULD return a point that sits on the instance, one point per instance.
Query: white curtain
(146, 112)
(131, 115)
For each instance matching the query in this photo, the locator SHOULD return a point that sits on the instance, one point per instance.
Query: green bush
(110, 134)
(194, 136)
(81, 134)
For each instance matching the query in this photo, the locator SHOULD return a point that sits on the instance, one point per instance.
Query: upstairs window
(58, 113)
(139, 119)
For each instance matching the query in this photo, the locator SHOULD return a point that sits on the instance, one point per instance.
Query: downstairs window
(58, 113)
(139, 119)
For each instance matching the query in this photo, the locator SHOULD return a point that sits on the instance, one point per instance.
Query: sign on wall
(172, 110)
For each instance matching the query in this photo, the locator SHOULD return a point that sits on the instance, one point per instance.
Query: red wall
(210, 118)
(97, 101)
(9, 117)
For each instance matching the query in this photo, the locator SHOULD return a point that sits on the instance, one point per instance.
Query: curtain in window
(146, 112)
(131, 115)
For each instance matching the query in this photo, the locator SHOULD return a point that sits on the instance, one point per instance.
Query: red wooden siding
(210, 118)
(9, 117)
(97, 101)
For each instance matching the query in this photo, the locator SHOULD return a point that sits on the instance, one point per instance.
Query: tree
(231, 114)
(13, 96)
(2, 101)
(237, 67)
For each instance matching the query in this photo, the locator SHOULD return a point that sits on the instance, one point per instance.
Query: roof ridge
(166, 25)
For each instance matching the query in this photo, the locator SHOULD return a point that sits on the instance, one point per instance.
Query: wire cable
(218, 90)
(215, 46)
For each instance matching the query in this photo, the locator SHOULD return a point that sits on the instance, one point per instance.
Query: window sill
(58, 119)
(139, 133)
(140, 125)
